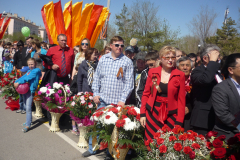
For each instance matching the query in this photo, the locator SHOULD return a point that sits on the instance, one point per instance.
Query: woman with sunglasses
(85, 44)
(163, 99)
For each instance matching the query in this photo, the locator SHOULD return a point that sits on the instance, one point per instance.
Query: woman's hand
(143, 121)
(16, 85)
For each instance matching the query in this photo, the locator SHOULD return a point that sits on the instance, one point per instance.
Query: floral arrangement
(219, 149)
(7, 85)
(81, 108)
(175, 144)
(54, 99)
(121, 122)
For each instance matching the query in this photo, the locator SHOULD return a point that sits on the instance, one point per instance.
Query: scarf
(91, 67)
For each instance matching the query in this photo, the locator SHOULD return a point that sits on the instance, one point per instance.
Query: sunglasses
(84, 44)
(117, 45)
(167, 58)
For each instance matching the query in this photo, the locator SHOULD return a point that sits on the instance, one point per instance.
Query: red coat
(176, 93)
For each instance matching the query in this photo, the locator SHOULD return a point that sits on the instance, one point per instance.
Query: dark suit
(25, 56)
(226, 103)
(203, 81)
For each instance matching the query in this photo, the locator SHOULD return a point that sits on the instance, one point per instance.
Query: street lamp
(199, 47)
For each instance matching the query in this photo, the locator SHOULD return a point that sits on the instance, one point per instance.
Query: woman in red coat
(163, 99)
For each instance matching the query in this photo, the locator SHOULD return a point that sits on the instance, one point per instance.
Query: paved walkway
(38, 143)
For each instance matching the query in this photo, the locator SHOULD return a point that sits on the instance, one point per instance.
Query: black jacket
(17, 60)
(25, 56)
(141, 86)
(203, 81)
(226, 103)
(73, 86)
(82, 81)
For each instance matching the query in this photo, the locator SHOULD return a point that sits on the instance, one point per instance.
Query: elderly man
(113, 81)
(185, 64)
(203, 79)
(226, 97)
(26, 52)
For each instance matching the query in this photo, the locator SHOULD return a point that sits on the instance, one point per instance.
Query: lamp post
(199, 47)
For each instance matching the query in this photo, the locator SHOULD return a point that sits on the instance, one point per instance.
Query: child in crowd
(32, 77)
(8, 66)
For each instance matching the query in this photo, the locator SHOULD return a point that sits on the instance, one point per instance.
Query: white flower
(118, 108)
(137, 110)
(112, 120)
(80, 93)
(90, 106)
(129, 126)
(90, 97)
(56, 85)
(82, 98)
(82, 101)
(51, 91)
(80, 125)
(43, 89)
(66, 87)
(60, 107)
(73, 104)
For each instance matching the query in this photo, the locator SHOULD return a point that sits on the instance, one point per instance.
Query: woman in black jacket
(86, 71)
(17, 59)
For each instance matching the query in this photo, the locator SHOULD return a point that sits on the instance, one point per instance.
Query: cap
(24, 69)
(7, 53)
(129, 48)
(133, 42)
(141, 55)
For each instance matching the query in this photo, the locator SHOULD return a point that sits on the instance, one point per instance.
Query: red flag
(97, 9)
(1, 22)
(4, 28)
(46, 26)
(0, 15)
(103, 34)
(58, 17)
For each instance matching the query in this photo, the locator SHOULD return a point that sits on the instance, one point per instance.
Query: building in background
(16, 24)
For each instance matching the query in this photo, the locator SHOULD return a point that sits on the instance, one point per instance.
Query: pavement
(38, 143)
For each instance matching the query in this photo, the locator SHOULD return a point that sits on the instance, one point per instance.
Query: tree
(203, 25)
(188, 44)
(16, 36)
(226, 38)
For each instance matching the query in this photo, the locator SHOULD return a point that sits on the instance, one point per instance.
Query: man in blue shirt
(226, 98)
(113, 80)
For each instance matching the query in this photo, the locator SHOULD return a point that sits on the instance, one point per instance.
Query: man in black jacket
(26, 51)
(17, 59)
(226, 97)
(203, 79)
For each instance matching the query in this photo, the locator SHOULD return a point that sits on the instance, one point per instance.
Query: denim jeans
(90, 149)
(27, 100)
(22, 106)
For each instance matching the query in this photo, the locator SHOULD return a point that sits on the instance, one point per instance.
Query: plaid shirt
(107, 85)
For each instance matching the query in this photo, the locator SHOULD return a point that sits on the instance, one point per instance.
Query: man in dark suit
(203, 79)
(226, 97)
(26, 51)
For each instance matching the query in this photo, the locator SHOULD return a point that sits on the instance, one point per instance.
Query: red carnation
(190, 137)
(165, 129)
(209, 145)
(90, 112)
(172, 138)
(132, 111)
(124, 116)
(99, 114)
(234, 156)
(196, 146)
(107, 116)
(219, 153)
(201, 137)
(160, 141)
(183, 137)
(187, 88)
(157, 135)
(148, 142)
(163, 149)
(211, 133)
(238, 136)
(187, 149)
(177, 146)
(138, 117)
(217, 143)
(114, 110)
(222, 137)
(192, 155)
(120, 123)
(103, 145)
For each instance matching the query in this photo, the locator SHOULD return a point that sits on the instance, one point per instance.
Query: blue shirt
(32, 77)
(236, 85)
(8, 66)
(107, 85)
(43, 51)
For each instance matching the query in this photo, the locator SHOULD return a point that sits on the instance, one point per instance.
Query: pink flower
(90, 97)
(49, 87)
(39, 92)
(61, 83)
(82, 101)
(68, 91)
(82, 98)
(86, 92)
(73, 103)
(48, 92)
(59, 91)
(80, 125)
(90, 106)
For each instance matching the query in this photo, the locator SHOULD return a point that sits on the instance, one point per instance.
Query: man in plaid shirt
(113, 80)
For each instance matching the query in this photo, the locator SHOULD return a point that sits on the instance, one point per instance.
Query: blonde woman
(85, 44)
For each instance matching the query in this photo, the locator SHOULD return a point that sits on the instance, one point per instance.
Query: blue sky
(177, 12)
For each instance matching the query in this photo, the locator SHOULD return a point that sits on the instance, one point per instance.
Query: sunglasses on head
(117, 45)
(84, 44)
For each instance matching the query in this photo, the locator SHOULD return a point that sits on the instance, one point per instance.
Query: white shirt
(1, 50)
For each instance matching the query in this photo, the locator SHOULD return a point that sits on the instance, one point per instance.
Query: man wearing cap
(129, 52)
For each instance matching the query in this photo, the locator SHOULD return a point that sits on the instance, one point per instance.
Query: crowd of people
(200, 92)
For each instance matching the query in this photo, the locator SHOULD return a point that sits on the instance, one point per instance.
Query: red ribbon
(163, 112)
